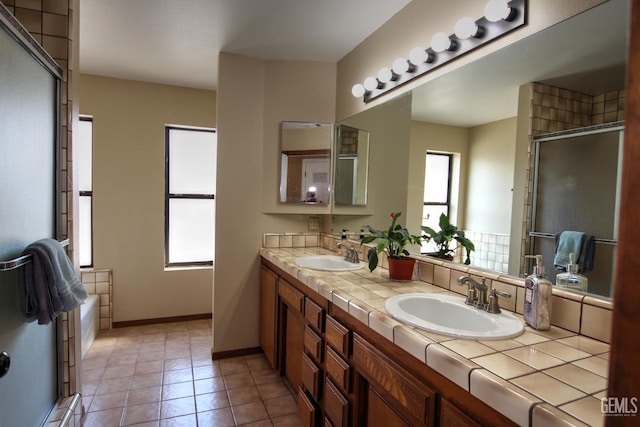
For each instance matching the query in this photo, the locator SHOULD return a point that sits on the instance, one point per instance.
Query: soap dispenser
(537, 297)
(572, 279)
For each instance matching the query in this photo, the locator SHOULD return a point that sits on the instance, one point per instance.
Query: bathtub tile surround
(100, 282)
(163, 375)
(533, 378)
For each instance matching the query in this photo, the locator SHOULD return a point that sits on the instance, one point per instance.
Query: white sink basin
(449, 315)
(328, 263)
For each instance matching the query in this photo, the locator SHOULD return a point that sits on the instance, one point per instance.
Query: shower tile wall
(553, 109)
(100, 282)
(51, 24)
(491, 250)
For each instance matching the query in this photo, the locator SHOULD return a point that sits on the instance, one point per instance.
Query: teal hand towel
(569, 242)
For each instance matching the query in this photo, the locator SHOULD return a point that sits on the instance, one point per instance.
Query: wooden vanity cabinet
(347, 375)
(268, 329)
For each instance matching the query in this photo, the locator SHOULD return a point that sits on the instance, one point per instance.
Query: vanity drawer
(337, 336)
(313, 343)
(313, 314)
(416, 399)
(311, 376)
(338, 370)
(336, 406)
(290, 295)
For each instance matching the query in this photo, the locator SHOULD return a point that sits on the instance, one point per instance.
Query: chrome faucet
(477, 295)
(351, 253)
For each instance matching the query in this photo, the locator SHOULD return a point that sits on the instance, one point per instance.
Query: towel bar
(552, 236)
(12, 264)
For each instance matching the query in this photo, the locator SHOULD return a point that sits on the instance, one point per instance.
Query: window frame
(84, 193)
(447, 203)
(179, 196)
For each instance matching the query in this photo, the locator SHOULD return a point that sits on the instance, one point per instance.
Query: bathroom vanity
(352, 364)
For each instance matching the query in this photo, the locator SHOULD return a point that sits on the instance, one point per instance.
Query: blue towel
(568, 242)
(48, 284)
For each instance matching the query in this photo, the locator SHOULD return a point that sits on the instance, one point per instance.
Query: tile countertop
(549, 378)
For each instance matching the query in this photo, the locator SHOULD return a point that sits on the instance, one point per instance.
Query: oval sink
(327, 263)
(449, 315)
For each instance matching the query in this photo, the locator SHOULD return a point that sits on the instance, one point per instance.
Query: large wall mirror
(481, 113)
(305, 168)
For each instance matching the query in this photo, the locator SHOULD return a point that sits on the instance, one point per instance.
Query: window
(84, 149)
(437, 191)
(190, 177)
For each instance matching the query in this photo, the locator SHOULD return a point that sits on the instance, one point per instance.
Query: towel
(580, 244)
(567, 242)
(48, 284)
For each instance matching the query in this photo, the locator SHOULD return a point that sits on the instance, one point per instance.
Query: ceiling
(177, 41)
(586, 54)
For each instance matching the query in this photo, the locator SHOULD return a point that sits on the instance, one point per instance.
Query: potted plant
(448, 232)
(393, 242)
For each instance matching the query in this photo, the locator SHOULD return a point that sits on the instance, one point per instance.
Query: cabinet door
(450, 416)
(293, 346)
(307, 411)
(380, 414)
(269, 314)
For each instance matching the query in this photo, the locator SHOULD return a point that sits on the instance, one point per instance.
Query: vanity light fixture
(386, 75)
(466, 28)
(501, 17)
(441, 42)
(401, 66)
(358, 90)
(497, 10)
(419, 55)
(371, 83)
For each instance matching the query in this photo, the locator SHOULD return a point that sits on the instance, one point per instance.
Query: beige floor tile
(177, 407)
(177, 390)
(279, 406)
(209, 401)
(144, 395)
(242, 395)
(108, 401)
(135, 414)
(249, 412)
(216, 418)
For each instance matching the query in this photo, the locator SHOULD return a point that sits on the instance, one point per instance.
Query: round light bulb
(370, 83)
(495, 10)
(418, 56)
(385, 75)
(358, 90)
(465, 28)
(400, 65)
(440, 42)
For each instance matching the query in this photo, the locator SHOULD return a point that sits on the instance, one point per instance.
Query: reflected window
(190, 195)
(437, 191)
(84, 149)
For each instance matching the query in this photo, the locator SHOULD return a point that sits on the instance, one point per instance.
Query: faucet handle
(494, 306)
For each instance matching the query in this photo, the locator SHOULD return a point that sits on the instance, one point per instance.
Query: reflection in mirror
(486, 114)
(305, 167)
(352, 166)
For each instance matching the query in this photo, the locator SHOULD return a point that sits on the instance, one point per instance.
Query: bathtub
(89, 321)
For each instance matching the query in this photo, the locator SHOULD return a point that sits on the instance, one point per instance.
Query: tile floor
(162, 375)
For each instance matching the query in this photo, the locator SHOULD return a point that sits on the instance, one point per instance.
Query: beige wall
(129, 185)
(415, 24)
(254, 96)
(389, 140)
(439, 138)
(492, 150)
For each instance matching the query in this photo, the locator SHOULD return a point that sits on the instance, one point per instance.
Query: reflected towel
(49, 284)
(567, 242)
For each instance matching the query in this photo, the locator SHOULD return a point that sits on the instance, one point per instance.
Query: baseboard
(144, 322)
(216, 355)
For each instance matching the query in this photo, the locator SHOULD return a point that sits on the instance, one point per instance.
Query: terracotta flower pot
(401, 268)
